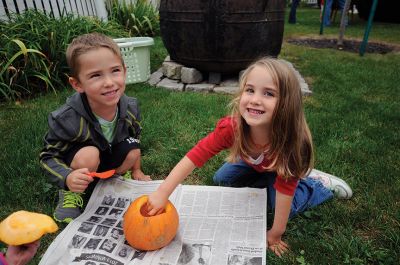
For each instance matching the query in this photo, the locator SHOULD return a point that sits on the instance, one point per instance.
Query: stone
(156, 77)
(226, 89)
(231, 82)
(191, 75)
(172, 70)
(171, 84)
(204, 87)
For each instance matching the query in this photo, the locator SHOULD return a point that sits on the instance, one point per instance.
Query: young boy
(97, 129)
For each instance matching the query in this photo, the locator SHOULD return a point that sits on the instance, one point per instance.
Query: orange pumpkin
(144, 232)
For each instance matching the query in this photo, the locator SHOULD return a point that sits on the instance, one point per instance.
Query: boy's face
(101, 77)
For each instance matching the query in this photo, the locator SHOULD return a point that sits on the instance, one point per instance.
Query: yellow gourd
(24, 227)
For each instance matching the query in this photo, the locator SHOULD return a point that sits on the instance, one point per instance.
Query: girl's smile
(254, 111)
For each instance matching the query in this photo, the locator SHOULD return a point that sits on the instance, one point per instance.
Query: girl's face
(259, 98)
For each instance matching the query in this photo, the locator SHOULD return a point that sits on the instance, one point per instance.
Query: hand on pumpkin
(78, 180)
(21, 255)
(139, 175)
(156, 203)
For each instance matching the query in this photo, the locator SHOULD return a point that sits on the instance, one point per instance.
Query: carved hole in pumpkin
(144, 212)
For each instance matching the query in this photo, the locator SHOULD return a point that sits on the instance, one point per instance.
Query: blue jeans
(328, 10)
(292, 14)
(309, 192)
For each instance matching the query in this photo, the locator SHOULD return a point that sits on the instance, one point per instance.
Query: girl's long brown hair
(290, 149)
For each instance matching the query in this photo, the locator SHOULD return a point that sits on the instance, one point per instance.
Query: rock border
(177, 77)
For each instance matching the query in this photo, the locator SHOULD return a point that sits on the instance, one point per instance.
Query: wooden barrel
(222, 36)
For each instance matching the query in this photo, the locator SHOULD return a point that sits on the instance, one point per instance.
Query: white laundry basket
(136, 54)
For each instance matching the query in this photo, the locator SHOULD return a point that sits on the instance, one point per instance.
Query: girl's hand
(138, 174)
(156, 203)
(275, 243)
(78, 180)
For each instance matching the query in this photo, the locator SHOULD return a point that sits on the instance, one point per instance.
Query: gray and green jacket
(74, 124)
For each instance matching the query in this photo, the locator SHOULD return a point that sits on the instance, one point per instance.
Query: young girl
(270, 147)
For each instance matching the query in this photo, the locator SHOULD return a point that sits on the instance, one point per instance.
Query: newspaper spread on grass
(217, 226)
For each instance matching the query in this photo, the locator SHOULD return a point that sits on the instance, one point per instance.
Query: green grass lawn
(353, 113)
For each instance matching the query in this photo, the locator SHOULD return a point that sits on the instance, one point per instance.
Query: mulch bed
(348, 45)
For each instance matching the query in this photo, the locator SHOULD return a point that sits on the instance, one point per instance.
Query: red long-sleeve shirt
(222, 138)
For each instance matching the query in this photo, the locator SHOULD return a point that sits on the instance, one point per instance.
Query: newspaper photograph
(217, 225)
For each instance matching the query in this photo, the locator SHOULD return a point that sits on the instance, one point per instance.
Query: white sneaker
(341, 189)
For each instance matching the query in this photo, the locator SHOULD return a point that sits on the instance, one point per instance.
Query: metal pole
(368, 29)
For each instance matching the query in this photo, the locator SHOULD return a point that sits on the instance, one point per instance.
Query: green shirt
(108, 127)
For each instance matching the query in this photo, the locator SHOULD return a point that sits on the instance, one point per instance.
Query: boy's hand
(156, 203)
(138, 174)
(275, 243)
(21, 254)
(78, 180)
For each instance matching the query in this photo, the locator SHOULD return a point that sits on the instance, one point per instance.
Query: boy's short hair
(85, 43)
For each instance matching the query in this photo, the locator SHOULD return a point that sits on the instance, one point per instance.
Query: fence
(311, 2)
(57, 8)
(155, 3)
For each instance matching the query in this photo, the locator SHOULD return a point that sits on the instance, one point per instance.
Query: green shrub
(33, 46)
(139, 19)
(26, 68)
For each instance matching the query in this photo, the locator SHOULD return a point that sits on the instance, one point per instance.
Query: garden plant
(32, 47)
(139, 18)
